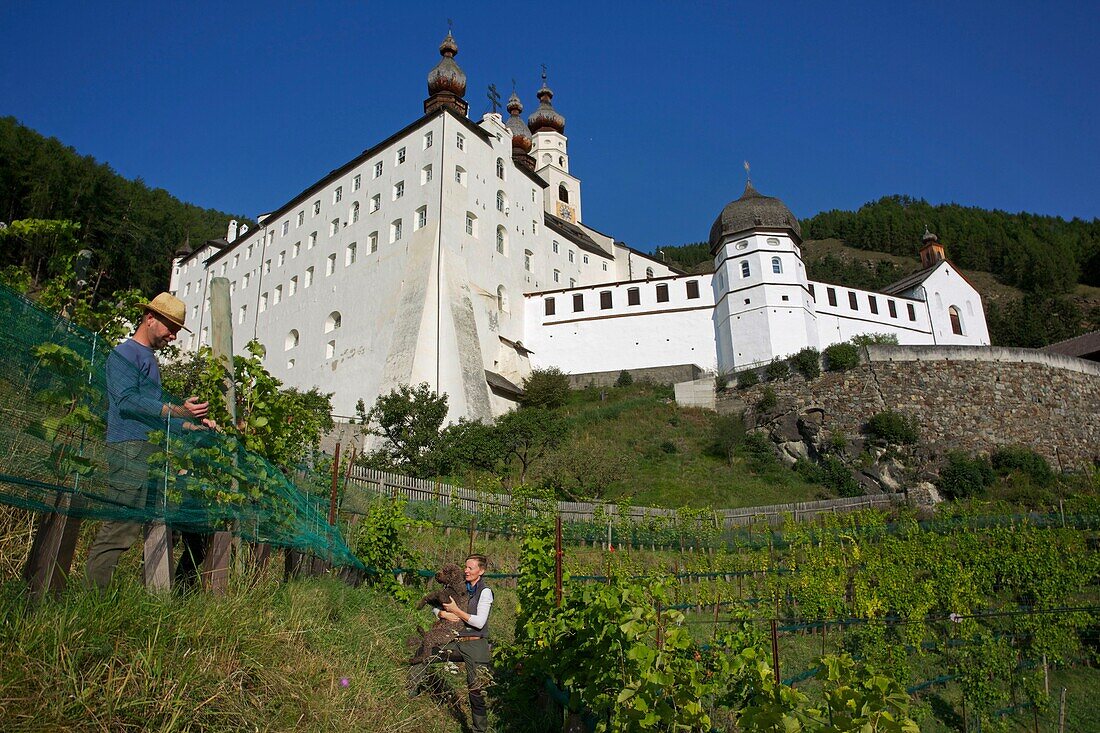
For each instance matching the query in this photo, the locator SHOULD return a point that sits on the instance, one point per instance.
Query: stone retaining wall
(964, 398)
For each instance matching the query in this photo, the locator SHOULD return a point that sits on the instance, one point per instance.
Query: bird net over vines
(56, 458)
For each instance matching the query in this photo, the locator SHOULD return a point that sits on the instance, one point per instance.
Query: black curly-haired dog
(441, 632)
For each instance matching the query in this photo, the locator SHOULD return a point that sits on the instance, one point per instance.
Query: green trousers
(130, 483)
(477, 656)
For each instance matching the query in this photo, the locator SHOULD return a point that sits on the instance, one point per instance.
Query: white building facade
(454, 253)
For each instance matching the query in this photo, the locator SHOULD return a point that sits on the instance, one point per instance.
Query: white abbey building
(454, 253)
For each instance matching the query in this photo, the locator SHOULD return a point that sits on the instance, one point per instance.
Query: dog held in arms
(441, 632)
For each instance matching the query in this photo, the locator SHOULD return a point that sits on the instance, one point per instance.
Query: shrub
(727, 435)
(963, 476)
(840, 357)
(807, 362)
(893, 427)
(873, 339)
(759, 452)
(625, 379)
(777, 370)
(747, 379)
(1022, 460)
(721, 381)
(669, 447)
(837, 477)
(547, 388)
(767, 400)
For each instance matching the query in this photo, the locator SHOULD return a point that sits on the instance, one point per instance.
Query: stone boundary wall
(656, 375)
(974, 399)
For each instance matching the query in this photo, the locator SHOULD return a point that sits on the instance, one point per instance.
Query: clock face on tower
(565, 211)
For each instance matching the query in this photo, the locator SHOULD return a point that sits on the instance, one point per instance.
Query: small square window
(692, 289)
(605, 300)
(662, 293)
(549, 306)
(427, 139)
(578, 302)
(633, 296)
(460, 141)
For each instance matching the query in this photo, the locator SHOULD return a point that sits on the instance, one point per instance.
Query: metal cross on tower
(494, 97)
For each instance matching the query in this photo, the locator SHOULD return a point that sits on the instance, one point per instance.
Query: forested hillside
(133, 229)
(1038, 275)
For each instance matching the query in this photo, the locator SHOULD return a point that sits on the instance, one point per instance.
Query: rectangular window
(605, 267)
(398, 190)
(549, 306)
(425, 174)
(469, 224)
(282, 258)
(812, 295)
(278, 295)
(605, 299)
(312, 240)
(633, 296)
(338, 195)
(421, 217)
(375, 202)
(586, 259)
(460, 141)
(892, 307)
(557, 276)
(248, 253)
(295, 249)
(236, 259)
(400, 156)
(570, 255)
(395, 231)
(317, 207)
(330, 264)
(355, 212)
(578, 302)
(832, 295)
(286, 227)
(427, 139)
(378, 169)
(912, 311)
(527, 254)
(692, 289)
(267, 266)
(349, 255)
(572, 283)
(873, 304)
(356, 182)
(301, 218)
(662, 293)
(241, 313)
(333, 227)
(309, 277)
(555, 247)
(374, 242)
(293, 285)
(244, 281)
(853, 303)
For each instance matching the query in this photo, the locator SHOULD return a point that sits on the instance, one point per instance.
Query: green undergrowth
(664, 453)
(274, 657)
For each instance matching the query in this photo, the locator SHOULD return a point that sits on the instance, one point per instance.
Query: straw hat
(170, 307)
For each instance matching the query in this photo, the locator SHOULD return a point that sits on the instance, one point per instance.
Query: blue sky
(240, 106)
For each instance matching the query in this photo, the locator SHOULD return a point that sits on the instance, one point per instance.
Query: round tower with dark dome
(447, 81)
(763, 304)
(521, 135)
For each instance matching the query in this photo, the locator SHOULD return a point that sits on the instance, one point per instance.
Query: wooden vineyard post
(775, 651)
(473, 533)
(335, 484)
(51, 556)
(717, 608)
(1062, 712)
(157, 568)
(557, 561)
(215, 572)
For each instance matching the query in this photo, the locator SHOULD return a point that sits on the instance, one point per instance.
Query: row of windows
(633, 297)
(872, 303)
(777, 267)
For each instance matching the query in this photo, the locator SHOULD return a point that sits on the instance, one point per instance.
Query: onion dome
(546, 118)
(521, 136)
(929, 236)
(753, 211)
(447, 77)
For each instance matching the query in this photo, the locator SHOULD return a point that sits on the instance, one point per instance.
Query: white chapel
(455, 253)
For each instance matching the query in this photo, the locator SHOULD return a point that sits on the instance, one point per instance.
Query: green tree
(528, 435)
(409, 420)
(547, 388)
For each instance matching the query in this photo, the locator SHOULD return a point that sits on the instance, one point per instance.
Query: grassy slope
(666, 462)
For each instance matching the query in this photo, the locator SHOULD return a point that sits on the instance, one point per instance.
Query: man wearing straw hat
(135, 407)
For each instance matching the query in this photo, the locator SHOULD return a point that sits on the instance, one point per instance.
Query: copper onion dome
(447, 76)
(546, 118)
(521, 136)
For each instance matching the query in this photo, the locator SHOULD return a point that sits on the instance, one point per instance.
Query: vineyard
(956, 623)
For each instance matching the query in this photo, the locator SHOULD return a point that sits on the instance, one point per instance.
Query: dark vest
(471, 608)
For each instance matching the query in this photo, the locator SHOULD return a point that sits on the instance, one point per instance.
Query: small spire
(748, 173)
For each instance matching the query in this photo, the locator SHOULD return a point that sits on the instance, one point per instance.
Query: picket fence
(414, 489)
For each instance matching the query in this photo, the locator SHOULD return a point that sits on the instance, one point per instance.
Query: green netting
(56, 457)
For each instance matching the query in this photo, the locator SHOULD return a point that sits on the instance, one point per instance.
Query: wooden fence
(413, 489)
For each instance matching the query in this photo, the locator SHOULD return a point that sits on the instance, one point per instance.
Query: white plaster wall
(840, 322)
(650, 334)
(944, 288)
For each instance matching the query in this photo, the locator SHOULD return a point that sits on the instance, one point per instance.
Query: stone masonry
(973, 399)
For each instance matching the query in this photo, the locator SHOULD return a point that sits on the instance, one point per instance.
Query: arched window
(291, 340)
(744, 269)
(500, 168)
(332, 322)
(460, 175)
(561, 160)
(956, 321)
(330, 349)
(648, 273)
(563, 193)
(355, 212)
(777, 266)
(502, 241)
(502, 299)
(501, 201)
(547, 159)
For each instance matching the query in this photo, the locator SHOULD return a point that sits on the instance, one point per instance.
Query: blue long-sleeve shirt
(135, 401)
